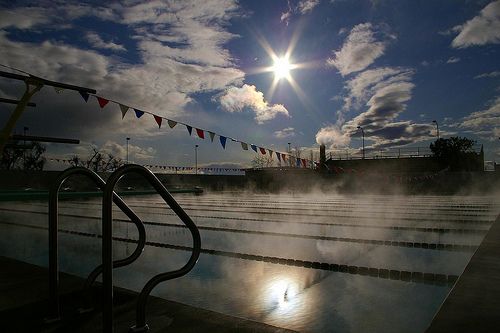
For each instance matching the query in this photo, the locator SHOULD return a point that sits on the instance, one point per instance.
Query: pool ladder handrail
(107, 248)
(54, 306)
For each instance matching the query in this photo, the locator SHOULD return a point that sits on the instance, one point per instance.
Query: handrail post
(54, 306)
(107, 248)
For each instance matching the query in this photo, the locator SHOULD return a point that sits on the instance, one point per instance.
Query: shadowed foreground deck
(473, 305)
(23, 304)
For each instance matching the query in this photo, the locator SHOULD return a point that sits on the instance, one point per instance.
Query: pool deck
(473, 305)
(24, 299)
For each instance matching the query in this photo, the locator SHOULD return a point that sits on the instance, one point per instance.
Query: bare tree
(262, 161)
(99, 162)
(23, 159)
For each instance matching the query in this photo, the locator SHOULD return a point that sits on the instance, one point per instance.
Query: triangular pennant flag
(158, 120)
(262, 151)
(278, 155)
(283, 157)
(102, 101)
(304, 162)
(254, 147)
(58, 90)
(223, 141)
(138, 113)
(200, 133)
(123, 109)
(212, 136)
(189, 128)
(244, 146)
(85, 95)
(298, 162)
(171, 123)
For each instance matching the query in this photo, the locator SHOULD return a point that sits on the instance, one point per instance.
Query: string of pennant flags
(201, 133)
(165, 167)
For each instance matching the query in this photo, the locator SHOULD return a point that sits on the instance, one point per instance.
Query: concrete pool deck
(24, 300)
(473, 305)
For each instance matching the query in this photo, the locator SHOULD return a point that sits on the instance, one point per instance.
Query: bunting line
(282, 157)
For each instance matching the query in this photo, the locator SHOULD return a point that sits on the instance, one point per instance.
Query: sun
(281, 68)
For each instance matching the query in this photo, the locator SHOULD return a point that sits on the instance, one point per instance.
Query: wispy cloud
(488, 75)
(303, 7)
(164, 75)
(361, 48)
(96, 41)
(452, 60)
(24, 18)
(485, 123)
(285, 133)
(385, 91)
(248, 97)
(480, 30)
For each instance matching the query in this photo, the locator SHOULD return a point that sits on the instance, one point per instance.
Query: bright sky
(390, 66)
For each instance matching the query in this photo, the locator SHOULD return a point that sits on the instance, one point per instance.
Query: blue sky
(390, 66)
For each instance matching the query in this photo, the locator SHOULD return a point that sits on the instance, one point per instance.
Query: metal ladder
(106, 268)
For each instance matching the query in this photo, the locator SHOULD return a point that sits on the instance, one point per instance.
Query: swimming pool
(312, 263)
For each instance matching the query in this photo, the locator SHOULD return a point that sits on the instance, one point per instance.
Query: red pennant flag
(200, 133)
(158, 120)
(102, 101)
(304, 162)
(262, 151)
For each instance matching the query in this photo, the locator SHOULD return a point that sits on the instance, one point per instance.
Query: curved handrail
(54, 310)
(107, 249)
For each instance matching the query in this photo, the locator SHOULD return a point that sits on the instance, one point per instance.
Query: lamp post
(128, 139)
(196, 159)
(25, 129)
(289, 154)
(437, 128)
(363, 134)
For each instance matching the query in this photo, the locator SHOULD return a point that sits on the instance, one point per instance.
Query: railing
(54, 309)
(106, 268)
(107, 249)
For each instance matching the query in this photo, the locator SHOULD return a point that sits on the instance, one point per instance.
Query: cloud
(306, 6)
(96, 41)
(487, 75)
(333, 136)
(198, 27)
(481, 30)
(485, 123)
(285, 133)
(361, 48)
(23, 18)
(303, 7)
(452, 60)
(385, 91)
(162, 80)
(247, 97)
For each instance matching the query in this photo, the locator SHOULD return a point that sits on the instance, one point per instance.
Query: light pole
(437, 128)
(289, 154)
(196, 159)
(25, 129)
(128, 139)
(363, 133)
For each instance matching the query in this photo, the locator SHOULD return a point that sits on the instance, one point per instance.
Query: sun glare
(281, 68)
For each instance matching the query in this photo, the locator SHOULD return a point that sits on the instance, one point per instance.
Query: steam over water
(313, 263)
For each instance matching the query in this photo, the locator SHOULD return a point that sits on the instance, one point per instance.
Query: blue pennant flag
(138, 113)
(223, 141)
(298, 162)
(190, 129)
(84, 95)
(254, 147)
(279, 156)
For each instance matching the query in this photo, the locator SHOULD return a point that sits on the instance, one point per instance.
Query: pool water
(244, 235)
